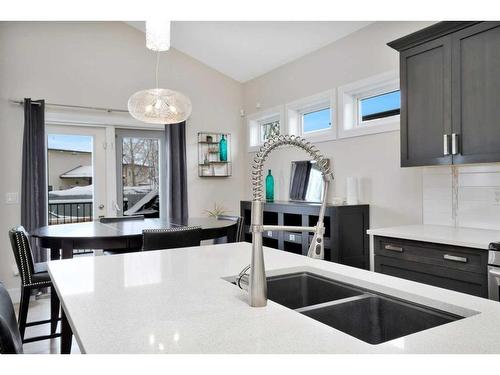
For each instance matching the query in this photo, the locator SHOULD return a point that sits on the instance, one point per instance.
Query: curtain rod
(109, 110)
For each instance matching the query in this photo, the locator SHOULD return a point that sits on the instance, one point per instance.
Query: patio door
(139, 160)
(76, 173)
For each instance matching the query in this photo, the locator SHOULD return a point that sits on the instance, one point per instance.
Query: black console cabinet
(346, 240)
(452, 267)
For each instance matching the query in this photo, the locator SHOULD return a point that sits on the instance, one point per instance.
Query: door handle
(398, 249)
(446, 145)
(455, 258)
(454, 143)
(101, 206)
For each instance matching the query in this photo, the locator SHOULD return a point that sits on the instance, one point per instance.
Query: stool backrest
(239, 225)
(156, 239)
(21, 247)
(10, 338)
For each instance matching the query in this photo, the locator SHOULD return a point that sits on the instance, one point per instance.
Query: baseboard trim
(15, 294)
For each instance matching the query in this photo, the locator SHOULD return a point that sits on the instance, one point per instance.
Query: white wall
(394, 193)
(102, 64)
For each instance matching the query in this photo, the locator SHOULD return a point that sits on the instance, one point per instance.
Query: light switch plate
(12, 198)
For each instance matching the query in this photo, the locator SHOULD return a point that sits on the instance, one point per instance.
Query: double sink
(364, 314)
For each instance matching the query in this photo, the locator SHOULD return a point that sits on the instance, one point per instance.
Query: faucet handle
(317, 246)
(242, 280)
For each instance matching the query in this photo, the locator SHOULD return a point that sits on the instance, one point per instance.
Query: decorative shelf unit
(209, 163)
(346, 241)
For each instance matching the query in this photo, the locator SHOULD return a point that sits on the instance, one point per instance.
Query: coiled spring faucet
(255, 281)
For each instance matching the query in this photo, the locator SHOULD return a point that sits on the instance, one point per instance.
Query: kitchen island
(179, 301)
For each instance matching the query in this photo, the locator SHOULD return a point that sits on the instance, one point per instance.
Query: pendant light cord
(157, 69)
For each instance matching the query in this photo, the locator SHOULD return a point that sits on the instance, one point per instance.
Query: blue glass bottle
(223, 149)
(270, 187)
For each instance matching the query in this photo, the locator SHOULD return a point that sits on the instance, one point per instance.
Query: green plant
(217, 210)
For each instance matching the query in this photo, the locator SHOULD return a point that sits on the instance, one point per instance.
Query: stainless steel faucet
(255, 282)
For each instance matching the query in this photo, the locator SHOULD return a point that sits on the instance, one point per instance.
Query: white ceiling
(247, 49)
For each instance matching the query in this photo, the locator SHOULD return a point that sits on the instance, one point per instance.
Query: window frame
(350, 96)
(254, 128)
(297, 109)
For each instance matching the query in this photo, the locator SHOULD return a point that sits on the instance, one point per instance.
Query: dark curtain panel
(34, 188)
(175, 143)
(300, 179)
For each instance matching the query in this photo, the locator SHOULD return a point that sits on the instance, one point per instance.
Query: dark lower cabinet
(457, 268)
(346, 241)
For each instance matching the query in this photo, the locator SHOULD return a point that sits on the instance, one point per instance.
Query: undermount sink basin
(365, 314)
(305, 289)
(376, 319)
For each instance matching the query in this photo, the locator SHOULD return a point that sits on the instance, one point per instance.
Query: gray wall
(102, 64)
(395, 194)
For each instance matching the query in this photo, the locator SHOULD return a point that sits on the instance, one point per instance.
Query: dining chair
(10, 337)
(234, 234)
(33, 276)
(169, 238)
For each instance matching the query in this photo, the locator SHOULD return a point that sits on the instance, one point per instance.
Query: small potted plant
(217, 211)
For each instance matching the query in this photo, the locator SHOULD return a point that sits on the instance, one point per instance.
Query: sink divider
(334, 302)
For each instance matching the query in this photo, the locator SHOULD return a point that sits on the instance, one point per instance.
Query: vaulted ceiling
(247, 49)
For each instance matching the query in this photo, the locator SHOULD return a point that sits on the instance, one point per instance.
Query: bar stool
(33, 276)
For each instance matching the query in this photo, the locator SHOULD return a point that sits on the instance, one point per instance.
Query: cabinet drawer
(460, 281)
(270, 234)
(452, 257)
(292, 237)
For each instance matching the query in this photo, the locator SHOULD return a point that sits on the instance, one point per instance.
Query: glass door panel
(138, 172)
(75, 174)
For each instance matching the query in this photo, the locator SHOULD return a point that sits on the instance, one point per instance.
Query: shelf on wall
(209, 163)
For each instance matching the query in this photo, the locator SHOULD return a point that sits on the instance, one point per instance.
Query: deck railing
(70, 211)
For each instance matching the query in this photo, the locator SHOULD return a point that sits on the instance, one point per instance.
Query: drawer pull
(455, 258)
(398, 249)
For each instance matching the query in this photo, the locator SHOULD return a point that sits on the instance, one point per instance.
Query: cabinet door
(476, 86)
(426, 103)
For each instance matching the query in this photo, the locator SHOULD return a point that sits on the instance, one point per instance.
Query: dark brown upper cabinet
(450, 81)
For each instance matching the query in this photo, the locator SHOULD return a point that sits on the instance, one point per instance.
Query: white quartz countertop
(467, 237)
(175, 301)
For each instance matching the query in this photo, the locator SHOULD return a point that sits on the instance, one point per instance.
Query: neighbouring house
(69, 168)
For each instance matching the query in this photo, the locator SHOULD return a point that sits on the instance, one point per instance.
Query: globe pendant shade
(159, 106)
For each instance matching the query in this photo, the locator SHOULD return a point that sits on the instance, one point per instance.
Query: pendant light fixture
(159, 106)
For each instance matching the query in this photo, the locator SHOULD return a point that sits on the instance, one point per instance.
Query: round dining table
(124, 235)
(62, 239)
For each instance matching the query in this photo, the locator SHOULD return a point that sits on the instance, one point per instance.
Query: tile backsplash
(465, 196)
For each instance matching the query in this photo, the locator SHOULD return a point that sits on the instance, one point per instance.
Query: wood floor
(39, 310)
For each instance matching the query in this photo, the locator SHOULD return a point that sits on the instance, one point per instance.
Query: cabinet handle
(454, 258)
(399, 249)
(446, 145)
(454, 143)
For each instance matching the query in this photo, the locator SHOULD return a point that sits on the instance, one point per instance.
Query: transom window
(269, 129)
(379, 106)
(317, 120)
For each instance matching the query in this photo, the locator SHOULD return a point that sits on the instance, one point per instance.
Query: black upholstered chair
(234, 234)
(156, 239)
(10, 337)
(33, 276)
